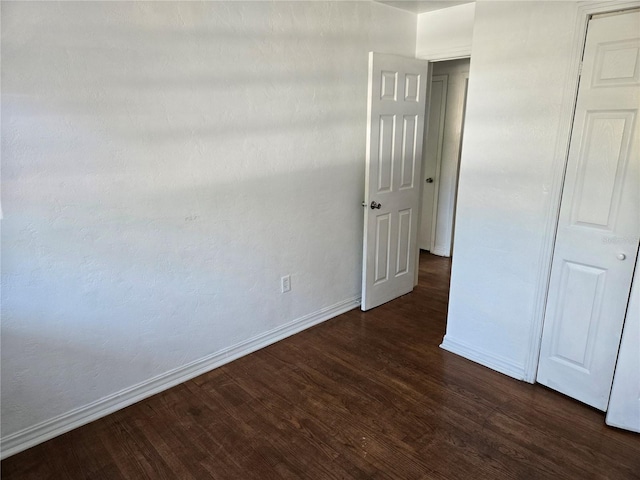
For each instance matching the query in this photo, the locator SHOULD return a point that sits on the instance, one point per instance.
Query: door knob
(429, 180)
(375, 205)
(621, 256)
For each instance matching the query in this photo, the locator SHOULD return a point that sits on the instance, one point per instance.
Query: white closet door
(624, 404)
(599, 223)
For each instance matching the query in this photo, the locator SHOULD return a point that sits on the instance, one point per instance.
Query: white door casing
(434, 136)
(395, 128)
(599, 226)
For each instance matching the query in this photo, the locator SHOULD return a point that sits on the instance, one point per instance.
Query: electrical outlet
(285, 284)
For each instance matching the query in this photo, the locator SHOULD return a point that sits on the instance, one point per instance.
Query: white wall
(164, 164)
(521, 53)
(457, 72)
(446, 33)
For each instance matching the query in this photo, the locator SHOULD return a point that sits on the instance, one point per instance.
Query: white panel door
(432, 160)
(624, 404)
(599, 223)
(395, 128)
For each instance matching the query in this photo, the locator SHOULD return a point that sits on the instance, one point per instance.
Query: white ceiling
(421, 6)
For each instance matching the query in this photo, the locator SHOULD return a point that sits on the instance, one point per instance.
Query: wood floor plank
(341, 434)
(367, 395)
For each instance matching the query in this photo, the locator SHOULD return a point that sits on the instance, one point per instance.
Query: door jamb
(586, 10)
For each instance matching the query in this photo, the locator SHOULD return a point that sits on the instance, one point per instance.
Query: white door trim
(585, 11)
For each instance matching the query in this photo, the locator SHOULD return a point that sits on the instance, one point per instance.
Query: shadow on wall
(163, 166)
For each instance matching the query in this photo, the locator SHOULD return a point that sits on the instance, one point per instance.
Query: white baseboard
(41, 432)
(490, 360)
(441, 252)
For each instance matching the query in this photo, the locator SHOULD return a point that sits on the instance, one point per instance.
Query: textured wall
(164, 164)
(521, 53)
(446, 33)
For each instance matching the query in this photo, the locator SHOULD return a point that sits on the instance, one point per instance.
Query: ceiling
(421, 6)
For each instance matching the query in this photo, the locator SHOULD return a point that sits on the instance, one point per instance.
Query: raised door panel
(389, 85)
(602, 167)
(578, 315)
(412, 88)
(617, 63)
(386, 153)
(409, 151)
(404, 241)
(382, 248)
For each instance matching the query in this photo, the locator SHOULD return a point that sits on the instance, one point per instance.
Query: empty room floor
(364, 395)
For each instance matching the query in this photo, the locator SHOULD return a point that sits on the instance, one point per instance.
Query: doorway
(441, 155)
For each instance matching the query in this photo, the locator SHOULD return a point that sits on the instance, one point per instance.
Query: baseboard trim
(490, 360)
(41, 432)
(441, 252)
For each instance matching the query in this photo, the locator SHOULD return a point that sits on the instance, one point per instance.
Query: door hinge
(580, 69)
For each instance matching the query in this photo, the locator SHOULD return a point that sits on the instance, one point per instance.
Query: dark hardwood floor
(365, 395)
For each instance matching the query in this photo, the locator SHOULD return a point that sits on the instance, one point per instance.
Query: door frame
(586, 10)
(441, 120)
(433, 58)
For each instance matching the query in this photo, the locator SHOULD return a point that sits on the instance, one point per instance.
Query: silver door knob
(621, 256)
(429, 180)
(376, 205)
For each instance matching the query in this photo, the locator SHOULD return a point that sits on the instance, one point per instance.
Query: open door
(395, 129)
